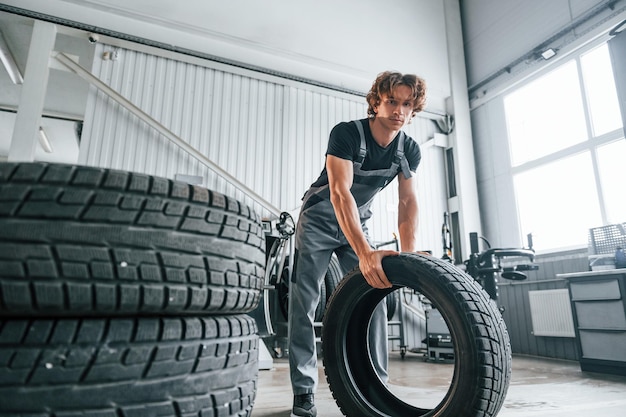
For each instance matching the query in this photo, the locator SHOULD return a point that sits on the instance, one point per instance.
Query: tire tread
(186, 365)
(84, 240)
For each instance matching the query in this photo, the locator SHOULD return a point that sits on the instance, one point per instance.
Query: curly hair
(387, 81)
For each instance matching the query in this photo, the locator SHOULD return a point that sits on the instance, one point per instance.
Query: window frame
(591, 144)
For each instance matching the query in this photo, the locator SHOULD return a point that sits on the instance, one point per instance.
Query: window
(611, 166)
(546, 115)
(567, 151)
(556, 201)
(600, 91)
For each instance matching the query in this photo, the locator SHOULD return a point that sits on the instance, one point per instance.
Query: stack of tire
(125, 295)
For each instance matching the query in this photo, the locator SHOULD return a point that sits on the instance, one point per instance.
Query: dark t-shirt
(345, 143)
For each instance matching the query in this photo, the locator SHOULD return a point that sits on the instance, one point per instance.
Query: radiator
(551, 313)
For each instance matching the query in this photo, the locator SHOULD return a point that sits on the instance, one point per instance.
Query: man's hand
(370, 264)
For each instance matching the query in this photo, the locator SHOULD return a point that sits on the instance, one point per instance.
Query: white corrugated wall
(269, 133)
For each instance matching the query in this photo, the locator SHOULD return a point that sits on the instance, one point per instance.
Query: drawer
(595, 290)
(601, 314)
(605, 346)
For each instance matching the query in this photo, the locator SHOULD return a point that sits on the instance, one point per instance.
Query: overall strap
(362, 148)
(401, 159)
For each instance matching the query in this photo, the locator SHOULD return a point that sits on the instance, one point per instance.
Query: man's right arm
(340, 176)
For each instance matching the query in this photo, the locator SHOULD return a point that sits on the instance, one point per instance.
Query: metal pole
(27, 120)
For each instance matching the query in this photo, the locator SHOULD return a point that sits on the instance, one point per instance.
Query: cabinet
(599, 310)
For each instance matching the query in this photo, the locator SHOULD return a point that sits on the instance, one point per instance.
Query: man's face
(395, 109)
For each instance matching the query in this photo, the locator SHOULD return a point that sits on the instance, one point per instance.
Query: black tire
(331, 280)
(392, 300)
(283, 298)
(482, 350)
(334, 277)
(321, 306)
(282, 292)
(128, 367)
(78, 240)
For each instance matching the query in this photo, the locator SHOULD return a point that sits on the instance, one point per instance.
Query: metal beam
(26, 128)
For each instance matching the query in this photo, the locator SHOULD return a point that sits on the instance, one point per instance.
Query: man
(363, 156)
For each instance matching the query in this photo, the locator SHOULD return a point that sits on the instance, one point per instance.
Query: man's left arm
(408, 213)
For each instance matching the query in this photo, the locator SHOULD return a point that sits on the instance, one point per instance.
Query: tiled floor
(539, 387)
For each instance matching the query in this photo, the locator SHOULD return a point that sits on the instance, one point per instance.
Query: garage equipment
(271, 313)
(439, 342)
(486, 266)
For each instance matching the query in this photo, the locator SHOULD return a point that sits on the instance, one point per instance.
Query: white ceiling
(498, 32)
(341, 40)
(302, 37)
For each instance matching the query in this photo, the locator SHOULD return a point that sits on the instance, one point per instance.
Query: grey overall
(318, 235)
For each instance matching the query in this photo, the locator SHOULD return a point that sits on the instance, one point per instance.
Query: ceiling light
(9, 62)
(548, 53)
(44, 141)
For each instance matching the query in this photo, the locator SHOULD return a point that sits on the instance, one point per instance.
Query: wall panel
(270, 134)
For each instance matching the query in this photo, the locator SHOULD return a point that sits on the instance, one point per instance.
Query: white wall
(269, 133)
(495, 181)
(342, 43)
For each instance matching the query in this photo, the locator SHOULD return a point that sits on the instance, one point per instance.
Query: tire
(321, 306)
(127, 367)
(482, 350)
(331, 280)
(334, 277)
(282, 292)
(283, 298)
(392, 300)
(87, 241)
